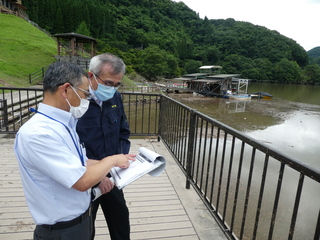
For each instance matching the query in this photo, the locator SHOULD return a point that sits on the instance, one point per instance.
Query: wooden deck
(160, 207)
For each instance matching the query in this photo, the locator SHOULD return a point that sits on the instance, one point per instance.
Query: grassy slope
(23, 50)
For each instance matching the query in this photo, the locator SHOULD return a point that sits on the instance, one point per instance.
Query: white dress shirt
(50, 165)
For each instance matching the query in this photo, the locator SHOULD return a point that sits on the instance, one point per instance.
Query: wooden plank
(156, 211)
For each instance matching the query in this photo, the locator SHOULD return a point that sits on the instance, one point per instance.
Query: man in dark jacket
(105, 131)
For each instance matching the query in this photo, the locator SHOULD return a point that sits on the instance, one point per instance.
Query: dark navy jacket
(104, 130)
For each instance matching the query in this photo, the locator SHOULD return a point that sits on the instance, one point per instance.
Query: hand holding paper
(145, 162)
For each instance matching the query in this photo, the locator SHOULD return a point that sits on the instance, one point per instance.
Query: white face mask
(78, 112)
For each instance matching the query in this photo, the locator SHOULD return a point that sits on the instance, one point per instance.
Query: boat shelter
(221, 83)
(73, 44)
(218, 83)
(210, 80)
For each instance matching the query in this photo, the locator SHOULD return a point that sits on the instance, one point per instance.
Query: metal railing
(37, 75)
(252, 190)
(142, 109)
(15, 111)
(142, 112)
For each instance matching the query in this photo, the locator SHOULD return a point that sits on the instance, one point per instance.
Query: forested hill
(161, 38)
(314, 55)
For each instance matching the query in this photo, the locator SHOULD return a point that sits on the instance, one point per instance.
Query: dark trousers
(115, 212)
(81, 231)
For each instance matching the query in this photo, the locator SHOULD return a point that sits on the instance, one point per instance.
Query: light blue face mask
(104, 92)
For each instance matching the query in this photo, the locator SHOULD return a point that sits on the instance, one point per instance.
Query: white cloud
(296, 19)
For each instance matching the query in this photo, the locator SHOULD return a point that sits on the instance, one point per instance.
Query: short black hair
(59, 73)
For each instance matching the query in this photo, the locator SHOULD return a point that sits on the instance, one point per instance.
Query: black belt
(68, 224)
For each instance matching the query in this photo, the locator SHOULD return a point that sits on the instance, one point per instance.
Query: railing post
(43, 72)
(191, 142)
(317, 233)
(3, 114)
(160, 121)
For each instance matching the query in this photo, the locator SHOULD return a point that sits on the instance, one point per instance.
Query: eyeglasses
(86, 93)
(109, 83)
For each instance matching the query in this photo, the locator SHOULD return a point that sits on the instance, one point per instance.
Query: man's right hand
(123, 160)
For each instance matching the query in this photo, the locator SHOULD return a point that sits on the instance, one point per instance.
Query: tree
(177, 30)
(299, 55)
(59, 26)
(155, 63)
(238, 64)
(312, 73)
(287, 71)
(211, 55)
(264, 68)
(192, 66)
(172, 69)
(184, 48)
(83, 29)
(314, 55)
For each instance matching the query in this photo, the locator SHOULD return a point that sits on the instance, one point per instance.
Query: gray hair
(59, 73)
(116, 63)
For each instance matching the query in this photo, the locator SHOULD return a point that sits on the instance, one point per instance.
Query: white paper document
(146, 161)
(96, 193)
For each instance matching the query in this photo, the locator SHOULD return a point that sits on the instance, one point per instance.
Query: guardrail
(15, 108)
(252, 190)
(37, 75)
(142, 109)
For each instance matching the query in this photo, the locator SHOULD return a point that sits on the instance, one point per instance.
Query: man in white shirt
(55, 172)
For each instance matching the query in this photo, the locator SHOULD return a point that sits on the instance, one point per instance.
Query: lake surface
(289, 122)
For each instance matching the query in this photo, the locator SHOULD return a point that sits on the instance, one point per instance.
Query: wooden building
(210, 81)
(73, 44)
(13, 7)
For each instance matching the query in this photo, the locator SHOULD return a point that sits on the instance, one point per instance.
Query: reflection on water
(290, 122)
(291, 92)
(297, 136)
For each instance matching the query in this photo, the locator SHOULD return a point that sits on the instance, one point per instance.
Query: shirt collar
(58, 114)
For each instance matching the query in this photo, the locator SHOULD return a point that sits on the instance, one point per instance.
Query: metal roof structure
(207, 80)
(182, 79)
(210, 67)
(195, 75)
(222, 76)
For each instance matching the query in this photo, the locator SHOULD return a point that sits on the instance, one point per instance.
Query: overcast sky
(296, 19)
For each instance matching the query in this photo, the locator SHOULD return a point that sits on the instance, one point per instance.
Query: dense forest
(314, 55)
(165, 39)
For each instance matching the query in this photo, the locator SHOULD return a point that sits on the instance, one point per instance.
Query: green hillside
(24, 49)
(166, 39)
(314, 55)
(156, 39)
